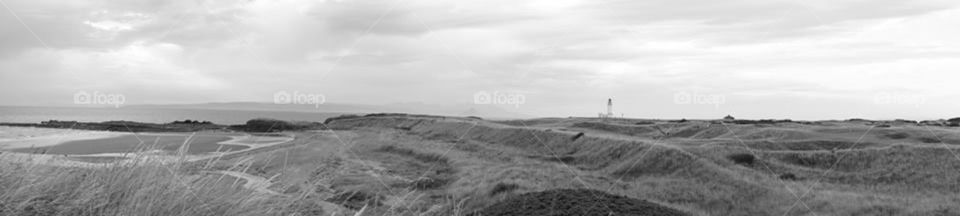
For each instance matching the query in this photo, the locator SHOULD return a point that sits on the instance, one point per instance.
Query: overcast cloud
(762, 58)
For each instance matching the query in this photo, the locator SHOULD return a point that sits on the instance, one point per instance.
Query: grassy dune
(122, 190)
(687, 167)
(421, 165)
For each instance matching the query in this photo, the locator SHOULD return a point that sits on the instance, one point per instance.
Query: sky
(832, 59)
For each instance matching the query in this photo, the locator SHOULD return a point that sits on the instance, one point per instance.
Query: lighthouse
(609, 107)
(609, 113)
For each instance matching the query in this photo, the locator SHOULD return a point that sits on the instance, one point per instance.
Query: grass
(691, 170)
(423, 157)
(503, 188)
(742, 158)
(122, 190)
(452, 167)
(141, 187)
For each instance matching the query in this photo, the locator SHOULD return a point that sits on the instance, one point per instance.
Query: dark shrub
(331, 119)
(503, 188)
(424, 157)
(271, 125)
(900, 135)
(788, 176)
(575, 137)
(356, 199)
(742, 158)
(304, 207)
(474, 117)
(428, 183)
(928, 140)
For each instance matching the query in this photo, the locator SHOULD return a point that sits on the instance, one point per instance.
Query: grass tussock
(357, 199)
(423, 157)
(742, 158)
(123, 190)
(503, 188)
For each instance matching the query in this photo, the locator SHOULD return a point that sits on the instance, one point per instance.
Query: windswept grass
(423, 157)
(133, 189)
(121, 190)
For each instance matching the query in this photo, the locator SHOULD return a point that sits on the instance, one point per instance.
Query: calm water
(152, 115)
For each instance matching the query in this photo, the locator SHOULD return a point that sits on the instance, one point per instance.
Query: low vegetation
(424, 157)
(398, 164)
(124, 190)
(503, 188)
(575, 202)
(742, 158)
(273, 125)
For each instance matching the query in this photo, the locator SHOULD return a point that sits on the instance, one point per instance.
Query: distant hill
(484, 111)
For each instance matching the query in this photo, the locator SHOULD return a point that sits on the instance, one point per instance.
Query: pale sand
(26, 137)
(44, 159)
(37, 137)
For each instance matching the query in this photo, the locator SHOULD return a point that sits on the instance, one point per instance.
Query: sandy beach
(25, 137)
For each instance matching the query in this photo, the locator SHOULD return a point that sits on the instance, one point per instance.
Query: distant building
(729, 117)
(609, 113)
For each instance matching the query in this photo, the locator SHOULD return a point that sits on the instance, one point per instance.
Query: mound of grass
(928, 140)
(899, 135)
(272, 125)
(632, 130)
(341, 117)
(575, 202)
(423, 157)
(575, 137)
(788, 177)
(428, 183)
(742, 158)
(503, 188)
(356, 199)
(123, 190)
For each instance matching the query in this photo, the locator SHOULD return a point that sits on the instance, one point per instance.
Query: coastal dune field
(396, 164)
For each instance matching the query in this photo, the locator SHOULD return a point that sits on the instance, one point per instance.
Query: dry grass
(881, 175)
(391, 166)
(123, 190)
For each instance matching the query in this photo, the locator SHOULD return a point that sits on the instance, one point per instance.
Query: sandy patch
(26, 137)
(43, 159)
(47, 137)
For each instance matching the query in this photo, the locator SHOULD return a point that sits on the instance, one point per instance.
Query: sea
(17, 114)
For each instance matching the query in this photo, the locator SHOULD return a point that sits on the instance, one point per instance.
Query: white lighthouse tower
(609, 107)
(609, 113)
